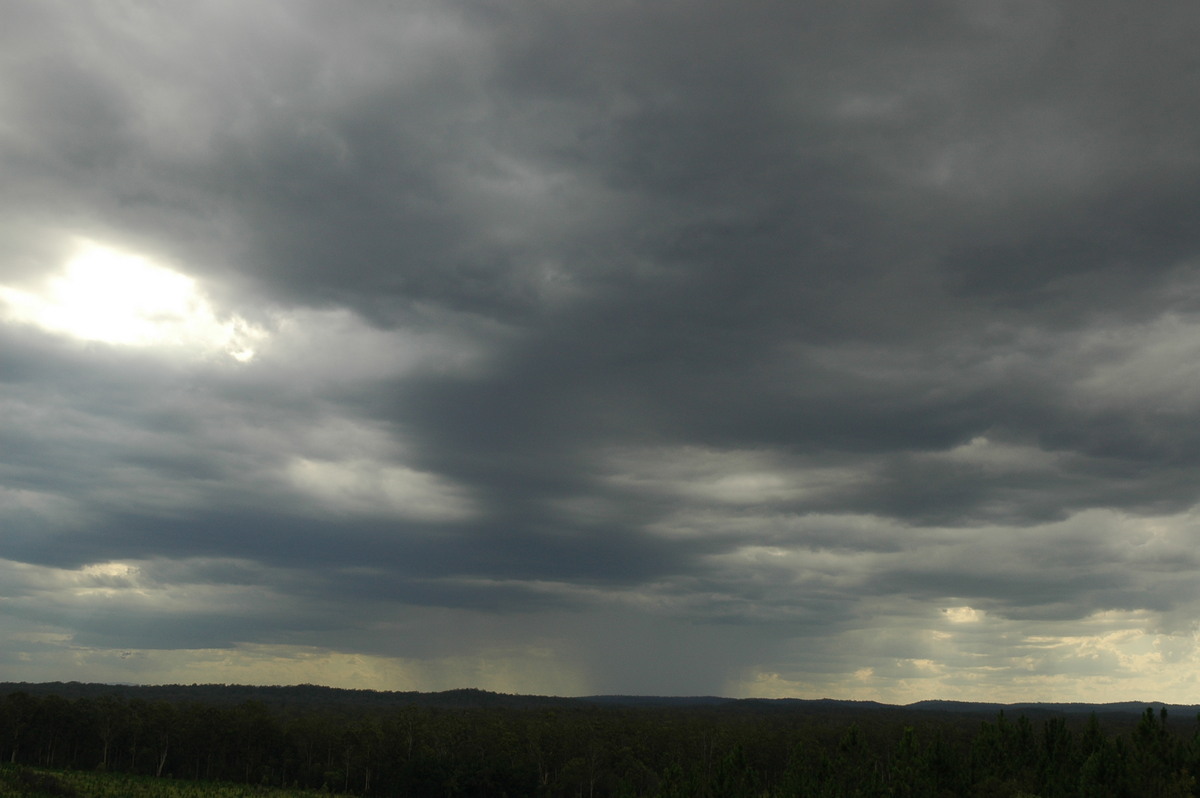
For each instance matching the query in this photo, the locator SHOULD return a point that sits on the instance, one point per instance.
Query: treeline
(604, 751)
(310, 696)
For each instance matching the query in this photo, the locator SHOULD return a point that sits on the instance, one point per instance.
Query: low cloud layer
(745, 348)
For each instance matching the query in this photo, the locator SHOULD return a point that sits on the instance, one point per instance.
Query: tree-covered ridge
(727, 750)
(320, 696)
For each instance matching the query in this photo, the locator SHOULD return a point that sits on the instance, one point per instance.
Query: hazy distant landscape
(478, 743)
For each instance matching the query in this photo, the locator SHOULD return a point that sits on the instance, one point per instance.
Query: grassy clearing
(27, 782)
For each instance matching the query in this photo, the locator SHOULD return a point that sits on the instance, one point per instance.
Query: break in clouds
(748, 348)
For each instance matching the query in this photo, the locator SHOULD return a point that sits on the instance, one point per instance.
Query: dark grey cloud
(759, 347)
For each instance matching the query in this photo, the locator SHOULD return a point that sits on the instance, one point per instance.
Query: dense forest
(470, 743)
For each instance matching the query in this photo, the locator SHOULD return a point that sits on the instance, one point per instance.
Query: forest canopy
(473, 743)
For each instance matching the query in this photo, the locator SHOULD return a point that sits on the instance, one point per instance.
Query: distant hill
(1115, 708)
(316, 696)
(301, 695)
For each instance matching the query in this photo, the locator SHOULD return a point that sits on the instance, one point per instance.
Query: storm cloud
(751, 348)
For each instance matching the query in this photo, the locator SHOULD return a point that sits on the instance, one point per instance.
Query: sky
(675, 347)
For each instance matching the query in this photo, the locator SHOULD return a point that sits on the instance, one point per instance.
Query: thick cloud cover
(753, 348)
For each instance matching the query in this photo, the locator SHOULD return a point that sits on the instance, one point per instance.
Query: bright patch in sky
(962, 614)
(103, 294)
(364, 486)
